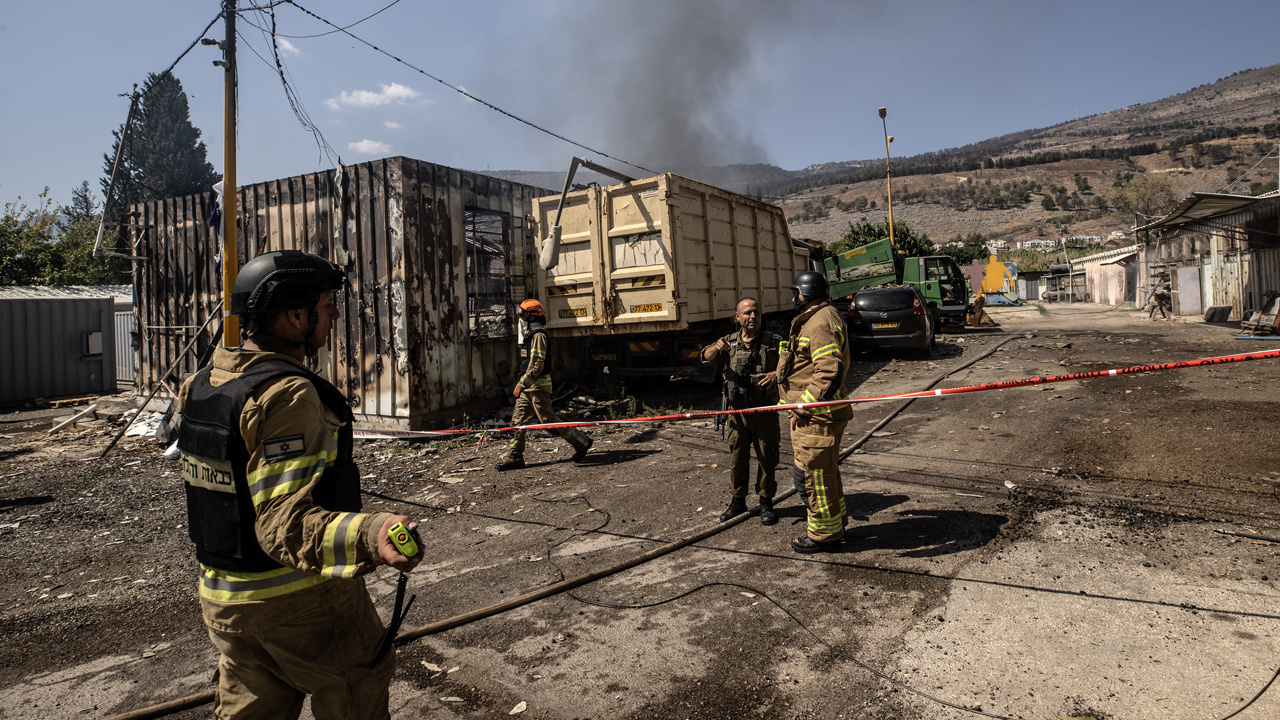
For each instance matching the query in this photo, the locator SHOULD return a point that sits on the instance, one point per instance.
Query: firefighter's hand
(516, 391)
(387, 550)
(800, 418)
(767, 379)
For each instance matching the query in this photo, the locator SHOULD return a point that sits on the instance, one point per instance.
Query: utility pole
(230, 251)
(888, 176)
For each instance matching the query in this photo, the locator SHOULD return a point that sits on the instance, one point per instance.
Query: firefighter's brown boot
(512, 462)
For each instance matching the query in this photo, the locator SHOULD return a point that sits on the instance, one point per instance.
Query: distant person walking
(533, 390)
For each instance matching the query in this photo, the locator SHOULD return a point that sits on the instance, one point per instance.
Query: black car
(891, 318)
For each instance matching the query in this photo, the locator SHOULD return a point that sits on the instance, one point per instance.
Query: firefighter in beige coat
(813, 369)
(533, 390)
(273, 501)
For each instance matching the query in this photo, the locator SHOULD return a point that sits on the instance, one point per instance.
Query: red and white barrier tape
(938, 392)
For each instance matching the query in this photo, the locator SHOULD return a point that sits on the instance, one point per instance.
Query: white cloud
(391, 125)
(287, 47)
(466, 97)
(369, 147)
(395, 93)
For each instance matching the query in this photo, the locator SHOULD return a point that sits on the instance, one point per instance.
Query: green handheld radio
(405, 539)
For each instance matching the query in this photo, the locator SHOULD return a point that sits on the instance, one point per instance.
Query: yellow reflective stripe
(807, 396)
(338, 553)
(231, 586)
(288, 476)
(826, 350)
(840, 395)
(538, 353)
(801, 342)
(825, 518)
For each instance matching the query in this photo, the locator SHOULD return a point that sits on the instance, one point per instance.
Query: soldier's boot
(511, 462)
(581, 445)
(737, 506)
(767, 515)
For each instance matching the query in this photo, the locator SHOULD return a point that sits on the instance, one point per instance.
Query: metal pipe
(73, 418)
(550, 254)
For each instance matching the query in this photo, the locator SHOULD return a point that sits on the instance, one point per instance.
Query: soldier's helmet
(531, 310)
(283, 280)
(812, 285)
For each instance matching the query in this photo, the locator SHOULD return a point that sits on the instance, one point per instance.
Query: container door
(570, 291)
(637, 258)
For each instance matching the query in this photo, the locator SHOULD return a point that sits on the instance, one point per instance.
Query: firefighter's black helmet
(812, 285)
(283, 280)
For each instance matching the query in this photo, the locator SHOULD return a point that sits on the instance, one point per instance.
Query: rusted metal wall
(404, 351)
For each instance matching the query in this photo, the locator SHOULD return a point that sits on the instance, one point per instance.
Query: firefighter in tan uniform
(749, 360)
(533, 390)
(813, 370)
(273, 502)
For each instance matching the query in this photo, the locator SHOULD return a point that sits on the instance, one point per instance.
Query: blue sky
(657, 82)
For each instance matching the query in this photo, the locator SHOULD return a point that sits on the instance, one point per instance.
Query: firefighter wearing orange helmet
(533, 389)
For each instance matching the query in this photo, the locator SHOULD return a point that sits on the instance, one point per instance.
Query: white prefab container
(662, 253)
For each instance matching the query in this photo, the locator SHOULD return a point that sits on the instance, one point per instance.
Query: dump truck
(652, 269)
(938, 277)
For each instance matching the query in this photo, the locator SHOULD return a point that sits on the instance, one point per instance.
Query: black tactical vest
(525, 355)
(744, 362)
(220, 514)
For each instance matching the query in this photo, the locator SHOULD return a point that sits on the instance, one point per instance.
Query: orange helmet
(531, 309)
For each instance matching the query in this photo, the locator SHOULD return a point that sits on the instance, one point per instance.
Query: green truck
(938, 277)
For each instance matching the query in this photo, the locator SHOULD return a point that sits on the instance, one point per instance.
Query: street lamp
(888, 176)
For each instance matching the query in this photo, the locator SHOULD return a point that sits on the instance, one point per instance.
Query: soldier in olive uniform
(533, 390)
(749, 359)
(813, 369)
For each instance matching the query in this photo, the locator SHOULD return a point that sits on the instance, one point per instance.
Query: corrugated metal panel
(45, 356)
(405, 350)
(125, 353)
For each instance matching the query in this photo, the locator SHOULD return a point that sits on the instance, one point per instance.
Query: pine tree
(163, 154)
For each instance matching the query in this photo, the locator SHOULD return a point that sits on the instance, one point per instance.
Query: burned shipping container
(435, 257)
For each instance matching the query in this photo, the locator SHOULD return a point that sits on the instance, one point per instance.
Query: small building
(1215, 250)
(61, 341)
(1111, 277)
(435, 258)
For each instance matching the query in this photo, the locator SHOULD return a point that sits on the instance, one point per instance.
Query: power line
(319, 35)
(468, 95)
(295, 102)
(195, 42)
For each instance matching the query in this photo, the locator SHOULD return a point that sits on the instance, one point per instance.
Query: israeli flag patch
(282, 448)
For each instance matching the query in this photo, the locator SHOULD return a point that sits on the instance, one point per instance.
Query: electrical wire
(318, 35)
(295, 101)
(1245, 174)
(468, 95)
(195, 42)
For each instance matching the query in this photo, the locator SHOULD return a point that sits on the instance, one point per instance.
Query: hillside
(1204, 139)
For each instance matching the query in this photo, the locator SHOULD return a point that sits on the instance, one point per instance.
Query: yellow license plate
(884, 325)
(651, 307)
(573, 312)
